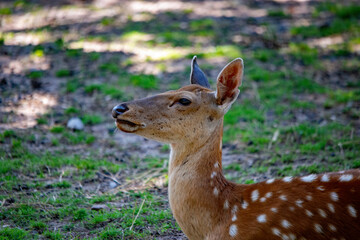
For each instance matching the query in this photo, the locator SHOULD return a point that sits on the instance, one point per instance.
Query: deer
(205, 204)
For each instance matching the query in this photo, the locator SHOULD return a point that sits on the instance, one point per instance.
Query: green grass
(63, 73)
(72, 84)
(304, 53)
(145, 81)
(347, 11)
(35, 74)
(12, 233)
(278, 14)
(91, 119)
(5, 11)
(228, 51)
(114, 92)
(335, 27)
(51, 177)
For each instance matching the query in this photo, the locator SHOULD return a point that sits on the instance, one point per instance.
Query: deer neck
(197, 185)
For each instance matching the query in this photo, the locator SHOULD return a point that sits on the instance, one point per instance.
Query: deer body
(204, 203)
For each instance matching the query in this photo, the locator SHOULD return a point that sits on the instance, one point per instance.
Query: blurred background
(66, 173)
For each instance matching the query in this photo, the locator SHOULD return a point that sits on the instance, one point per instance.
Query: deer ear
(228, 81)
(197, 76)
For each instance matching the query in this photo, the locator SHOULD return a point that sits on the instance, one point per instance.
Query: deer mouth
(128, 126)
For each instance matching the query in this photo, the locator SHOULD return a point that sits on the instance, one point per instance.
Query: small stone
(112, 184)
(98, 207)
(75, 124)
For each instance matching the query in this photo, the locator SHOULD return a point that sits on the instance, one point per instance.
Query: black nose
(119, 109)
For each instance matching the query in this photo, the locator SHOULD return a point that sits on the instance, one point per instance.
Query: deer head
(191, 112)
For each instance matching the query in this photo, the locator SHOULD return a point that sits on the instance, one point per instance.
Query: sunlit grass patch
(304, 53)
(335, 27)
(175, 38)
(342, 96)
(202, 27)
(228, 51)
(144, 81)
(5, 11)
(13, 233)
(244, 111)
(136, 36)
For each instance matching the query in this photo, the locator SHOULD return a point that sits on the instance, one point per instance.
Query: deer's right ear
(228, 82)
(197, 76)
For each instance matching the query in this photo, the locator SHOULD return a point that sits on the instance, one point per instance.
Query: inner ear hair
(228, 81)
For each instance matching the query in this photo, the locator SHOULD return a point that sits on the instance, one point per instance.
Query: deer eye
(184, 101)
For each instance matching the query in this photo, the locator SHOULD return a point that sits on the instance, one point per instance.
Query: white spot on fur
(244, 205)
(234, 218)
(234, 209)
(309, 197)
(321, 188)
(255, 195)
(332, 228)
(352, 211)
(283, 197)
(216, 191)
(216, 165)
(325, 178)
(285, 237)
(292, 209)
(346, 178)
(226, 204)
(261, 218)
(310, 214)
(331, 207)
(318, 228)
(285, 223)
(322, 213)
(276, 231)
(213, 174)
(299, 203)
(270, 180)
(233, 230)
(309, 178)
(274, 210)
(268, 195)
(287, 179)
(263, 199)
(334, 196)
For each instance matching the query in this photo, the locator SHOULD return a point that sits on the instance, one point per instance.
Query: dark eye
(184, 101)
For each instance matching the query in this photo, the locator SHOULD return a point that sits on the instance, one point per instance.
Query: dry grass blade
(137, 215)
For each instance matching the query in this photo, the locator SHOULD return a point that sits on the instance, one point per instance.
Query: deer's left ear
(228, 82)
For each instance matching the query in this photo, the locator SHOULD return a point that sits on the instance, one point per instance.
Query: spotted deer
(204, 203)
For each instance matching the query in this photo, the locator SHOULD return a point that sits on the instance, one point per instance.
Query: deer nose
(119, 109)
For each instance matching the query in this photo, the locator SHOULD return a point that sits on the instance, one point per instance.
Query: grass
(304, 53)
(297, 112)
(228, 51)
(63, 73)
(278, 14)
(337, 26)
(114, 92)
(144, 81)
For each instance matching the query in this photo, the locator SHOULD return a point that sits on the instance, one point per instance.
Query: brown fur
(195, 134)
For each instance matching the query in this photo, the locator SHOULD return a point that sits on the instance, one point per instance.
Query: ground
(298, 111)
